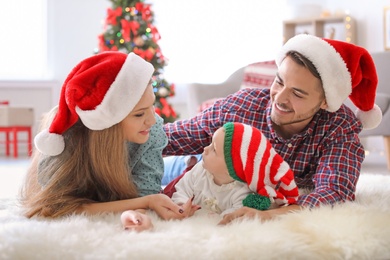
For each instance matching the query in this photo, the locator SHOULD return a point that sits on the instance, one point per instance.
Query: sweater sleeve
(337, 169)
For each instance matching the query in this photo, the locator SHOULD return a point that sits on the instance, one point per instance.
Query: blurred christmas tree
(129, 28)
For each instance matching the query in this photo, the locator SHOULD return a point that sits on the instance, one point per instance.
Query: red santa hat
(251, 159)
(100, 91)
(345, 69)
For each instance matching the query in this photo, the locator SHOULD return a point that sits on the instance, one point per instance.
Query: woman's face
(137, 124)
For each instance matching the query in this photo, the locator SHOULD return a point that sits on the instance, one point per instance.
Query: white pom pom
(370, 119)
(49, 143)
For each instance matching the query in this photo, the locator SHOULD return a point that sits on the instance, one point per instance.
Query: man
(304, 118)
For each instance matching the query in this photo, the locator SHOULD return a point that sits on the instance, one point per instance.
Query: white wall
(205, 40)
(204, 46)
(73, 27)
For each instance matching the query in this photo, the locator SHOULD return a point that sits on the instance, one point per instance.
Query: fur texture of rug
(358, 230)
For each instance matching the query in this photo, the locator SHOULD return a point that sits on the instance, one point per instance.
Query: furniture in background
(13, 121)
(201, 96)
(259, 74)
(382, 63)
(338, 27)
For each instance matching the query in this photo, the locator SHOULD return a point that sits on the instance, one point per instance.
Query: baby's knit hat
(101, 90)
(250, 158)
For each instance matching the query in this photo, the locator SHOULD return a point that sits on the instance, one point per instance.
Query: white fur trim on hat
(336, 79)
(122, 96)
(49, 143)
(370, 119)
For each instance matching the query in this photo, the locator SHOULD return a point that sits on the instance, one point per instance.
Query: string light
(348, 27)
(148, 30)
(114, 40)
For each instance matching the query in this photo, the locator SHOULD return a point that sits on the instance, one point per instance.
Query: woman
(93, 142)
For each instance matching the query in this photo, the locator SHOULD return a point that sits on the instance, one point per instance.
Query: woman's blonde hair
(94, 167)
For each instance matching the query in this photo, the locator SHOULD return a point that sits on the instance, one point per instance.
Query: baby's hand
(189, 208)
(135, 220)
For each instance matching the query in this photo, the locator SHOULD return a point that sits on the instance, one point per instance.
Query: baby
(239, 168)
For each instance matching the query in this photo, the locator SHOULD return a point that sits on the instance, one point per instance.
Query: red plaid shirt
(326, 157)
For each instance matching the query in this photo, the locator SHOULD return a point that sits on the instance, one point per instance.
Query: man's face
(296, 96)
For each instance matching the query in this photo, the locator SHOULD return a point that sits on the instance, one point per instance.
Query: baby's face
(214, 158)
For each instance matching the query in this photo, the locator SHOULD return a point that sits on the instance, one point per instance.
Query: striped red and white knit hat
(250, 158)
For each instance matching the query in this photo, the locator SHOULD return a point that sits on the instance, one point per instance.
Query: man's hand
(262, 215)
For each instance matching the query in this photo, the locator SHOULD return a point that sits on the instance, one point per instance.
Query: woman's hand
(189, 208)
(165, 207)
(136, 220)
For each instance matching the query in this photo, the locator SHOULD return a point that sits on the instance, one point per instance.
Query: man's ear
(324, 105)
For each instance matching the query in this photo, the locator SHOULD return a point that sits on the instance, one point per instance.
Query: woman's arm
(160, 203)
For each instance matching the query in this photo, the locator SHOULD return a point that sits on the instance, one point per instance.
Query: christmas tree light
(129, 28)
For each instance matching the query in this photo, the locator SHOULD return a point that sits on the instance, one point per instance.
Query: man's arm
(245, 212)
(336, 175)
(191, 135)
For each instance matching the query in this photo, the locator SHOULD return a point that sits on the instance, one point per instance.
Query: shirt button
(289, 145)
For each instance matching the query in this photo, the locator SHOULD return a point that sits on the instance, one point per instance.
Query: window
(23, 52)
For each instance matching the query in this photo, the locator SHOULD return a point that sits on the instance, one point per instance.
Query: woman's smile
(145, 132)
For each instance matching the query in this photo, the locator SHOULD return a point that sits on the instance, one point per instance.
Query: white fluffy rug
(359, 230)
